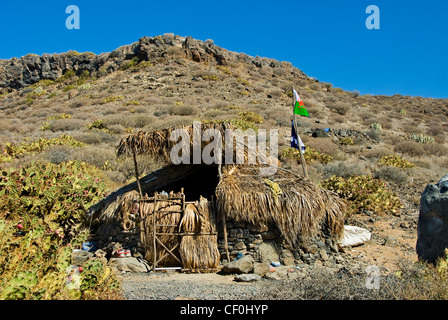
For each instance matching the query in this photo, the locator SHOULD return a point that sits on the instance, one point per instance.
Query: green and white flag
(299, 107)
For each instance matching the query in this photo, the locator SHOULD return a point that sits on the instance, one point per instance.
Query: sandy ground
(393, 242)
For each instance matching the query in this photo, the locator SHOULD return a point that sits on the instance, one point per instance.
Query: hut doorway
(201, 180)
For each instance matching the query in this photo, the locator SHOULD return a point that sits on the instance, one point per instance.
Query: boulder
(130, 264)
(432, 228)
(391, 241)
(354, 236)
(239, 246)
(247, 277)
(320, 133)
(261, 269)
(268, 252)
(287, 258)
(239, 266)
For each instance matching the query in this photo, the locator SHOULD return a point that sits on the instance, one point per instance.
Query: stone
(258, 227)
(239, 266)
(268, 235)
(391, 241)
(261, 268)
(80, 256)
(247, 277)
(287, 258)
(432, 227)
(239, 246)
(323, 255)
(320, 133)
(129, 264)
(100, 253)
(268, 252)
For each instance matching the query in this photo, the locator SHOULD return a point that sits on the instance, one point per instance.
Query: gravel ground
(175, 286)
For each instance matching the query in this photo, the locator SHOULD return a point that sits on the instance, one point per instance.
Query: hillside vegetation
(59, 130)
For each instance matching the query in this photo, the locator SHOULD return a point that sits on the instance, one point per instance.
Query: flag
(295, 139)
(299, 107)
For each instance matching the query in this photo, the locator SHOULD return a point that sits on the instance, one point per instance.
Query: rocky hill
(27, 70)
(171, 80)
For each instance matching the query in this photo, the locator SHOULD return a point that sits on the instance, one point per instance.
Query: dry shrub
(94, 155)
(96, 137)
(57, 154)
(409, 147)
(183, 110)
(341, 169)
(366, 115)
(435, 149)
(373, 134)
(408, 128)
(66, 125)
(336, 119)
(117, 129)
(276, 93)
(391, 174)
(434, 129)
(393, 140)
(341, 107)
(140, 120)
(413, 281)
(79, 103)
(353, 149)
(385, 122)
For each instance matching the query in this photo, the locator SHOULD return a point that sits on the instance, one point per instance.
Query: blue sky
(326, 39)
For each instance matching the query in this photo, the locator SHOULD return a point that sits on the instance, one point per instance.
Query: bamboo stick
(154, 232)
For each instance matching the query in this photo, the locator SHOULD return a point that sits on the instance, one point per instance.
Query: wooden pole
(302, 158)
(154, 232)
(223, 218)
(226, 245)
(137, 174)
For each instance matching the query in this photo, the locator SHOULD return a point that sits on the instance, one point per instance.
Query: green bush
(346, 141)
(364, 193)
(251, 116)
(310, 154)
(12, 150)
(396, 161)
(42, 217)
(97, 124)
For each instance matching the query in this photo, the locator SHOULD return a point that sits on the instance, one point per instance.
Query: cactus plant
(376, 126)
(421, 138)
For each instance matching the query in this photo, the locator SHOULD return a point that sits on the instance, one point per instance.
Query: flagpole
(302, 158)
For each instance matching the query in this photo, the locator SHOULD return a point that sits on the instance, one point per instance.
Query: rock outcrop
(432, 229)
(17, 73)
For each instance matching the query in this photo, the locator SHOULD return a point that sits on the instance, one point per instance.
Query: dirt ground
(393, 241)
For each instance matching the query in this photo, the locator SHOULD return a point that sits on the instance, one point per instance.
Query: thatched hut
(214, 192)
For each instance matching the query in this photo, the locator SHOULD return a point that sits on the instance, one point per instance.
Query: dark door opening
(201, 181)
